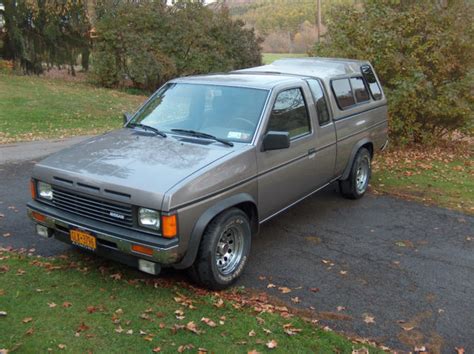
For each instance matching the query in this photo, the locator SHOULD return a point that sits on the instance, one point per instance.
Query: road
(366, 268)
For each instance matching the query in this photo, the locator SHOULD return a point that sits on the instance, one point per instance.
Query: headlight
(45, 191)
(149, 218)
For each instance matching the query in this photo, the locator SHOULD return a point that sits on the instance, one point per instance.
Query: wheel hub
(229, 250)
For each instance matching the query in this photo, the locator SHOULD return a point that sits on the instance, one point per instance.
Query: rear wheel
(223, 251)
(355, 186)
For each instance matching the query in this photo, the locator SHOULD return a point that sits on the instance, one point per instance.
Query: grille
(92, 208)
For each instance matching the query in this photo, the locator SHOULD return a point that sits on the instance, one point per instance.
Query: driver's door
(287, 175)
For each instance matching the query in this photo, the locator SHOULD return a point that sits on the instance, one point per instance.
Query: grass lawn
(77, 304)
(35, 108)
(436, 176)
(269, 58)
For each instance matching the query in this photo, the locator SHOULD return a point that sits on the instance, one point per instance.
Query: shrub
(423, 54)
(146, 43)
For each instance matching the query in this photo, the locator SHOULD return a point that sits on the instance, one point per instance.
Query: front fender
(204, 220)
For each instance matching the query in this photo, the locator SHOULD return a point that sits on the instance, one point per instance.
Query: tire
(224, 250)
(355, 186)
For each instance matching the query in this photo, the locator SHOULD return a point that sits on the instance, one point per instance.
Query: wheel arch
(364, 143)
(242, 201)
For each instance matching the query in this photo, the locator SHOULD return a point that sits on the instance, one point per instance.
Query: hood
(129, 162)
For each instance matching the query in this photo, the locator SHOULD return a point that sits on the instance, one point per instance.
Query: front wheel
(355, 186)
(224, 249)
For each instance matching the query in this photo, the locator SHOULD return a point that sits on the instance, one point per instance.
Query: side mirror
(126, 117)
(276, 140)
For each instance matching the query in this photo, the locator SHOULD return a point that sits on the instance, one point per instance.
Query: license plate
(83, 239)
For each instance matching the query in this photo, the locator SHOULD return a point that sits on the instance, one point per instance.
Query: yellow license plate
(83, 239)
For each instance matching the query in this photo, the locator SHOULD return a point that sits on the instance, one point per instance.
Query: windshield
(229, 113)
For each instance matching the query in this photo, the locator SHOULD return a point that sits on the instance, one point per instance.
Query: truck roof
(252, 80)
(323, 68)
(280, 71)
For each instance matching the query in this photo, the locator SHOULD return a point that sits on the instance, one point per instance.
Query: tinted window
(319, 101)
(342, 91)
(372, 81)
(289, 113)
(358, 86)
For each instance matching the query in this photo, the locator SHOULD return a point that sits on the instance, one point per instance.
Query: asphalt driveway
(395, 271)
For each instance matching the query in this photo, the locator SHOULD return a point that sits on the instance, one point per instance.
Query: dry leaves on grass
(27, 319)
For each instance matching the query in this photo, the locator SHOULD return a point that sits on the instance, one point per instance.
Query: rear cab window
(374, 86)
(343, 93)
(350, 91)
(290, 114)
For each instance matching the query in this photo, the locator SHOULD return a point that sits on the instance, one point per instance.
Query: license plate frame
(83, 239)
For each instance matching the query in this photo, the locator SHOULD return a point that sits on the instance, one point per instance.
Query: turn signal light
(38, 217)
(32, 189)
(169, 226)
(142, 249)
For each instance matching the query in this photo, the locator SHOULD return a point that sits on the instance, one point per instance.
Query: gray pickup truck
(207, 159)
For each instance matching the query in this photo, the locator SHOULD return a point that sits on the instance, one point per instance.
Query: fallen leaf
(314, 290)
(219, 303)
(202, 350)
(208, 321)
(3, 313)
(260, 320)
(62, 346)
(272, 344)
(407, 327)
(119, 329)
(267, 331)
(116, 276)
(269, 286)
(27, 320)
(252, 333)
(340, 308)
(421, 348)
(343, 272)
(52, 305)
(6, 234)
(82, 327)
(360, 351)
(253, 351)
(182, 348)
(296, 300)
(91, 309)
(459, 350)
(67, 304)
(156, 350)
(192, 327)
(30, 331)
(369, 319)
(284, 289)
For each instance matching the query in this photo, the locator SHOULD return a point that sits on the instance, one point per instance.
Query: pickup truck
(206, 160)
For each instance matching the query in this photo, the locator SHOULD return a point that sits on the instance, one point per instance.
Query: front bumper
(112, 241)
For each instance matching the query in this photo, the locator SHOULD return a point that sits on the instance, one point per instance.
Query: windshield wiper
(203, 135)
(147, 127)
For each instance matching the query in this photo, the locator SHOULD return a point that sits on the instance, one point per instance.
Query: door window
(319, 101)
(289, 113)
